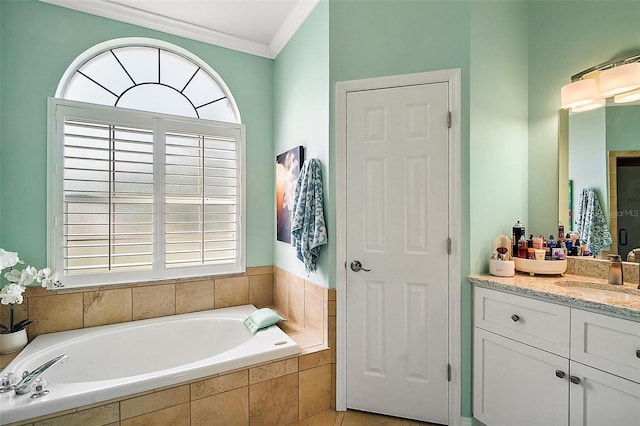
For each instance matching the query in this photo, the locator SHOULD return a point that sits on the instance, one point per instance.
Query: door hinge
(448, 372)
(448, 245)
(449, 119)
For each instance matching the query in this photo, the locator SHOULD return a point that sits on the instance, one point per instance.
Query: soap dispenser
(615, 269)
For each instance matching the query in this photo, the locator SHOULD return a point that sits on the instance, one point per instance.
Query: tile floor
(357, 418)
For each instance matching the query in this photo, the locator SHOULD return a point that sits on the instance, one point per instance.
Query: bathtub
(113, 361)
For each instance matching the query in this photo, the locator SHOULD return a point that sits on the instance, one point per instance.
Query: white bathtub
(112, 361)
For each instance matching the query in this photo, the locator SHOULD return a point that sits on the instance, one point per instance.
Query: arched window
(145, 185)
(148, 75)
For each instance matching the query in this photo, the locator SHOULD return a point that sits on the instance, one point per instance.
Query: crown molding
(289, 27)
(153, 21)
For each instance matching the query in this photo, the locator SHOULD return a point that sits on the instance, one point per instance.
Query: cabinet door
(516, 384)
(602, 399)
(610, 344)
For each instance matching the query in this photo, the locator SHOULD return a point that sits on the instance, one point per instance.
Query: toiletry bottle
(538, 242)
(560, 231)
(518, 231)
(522, 247)
(568, 245)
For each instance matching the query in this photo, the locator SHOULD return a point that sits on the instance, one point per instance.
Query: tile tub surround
(279, 392)
(551, 289)
(312, 326)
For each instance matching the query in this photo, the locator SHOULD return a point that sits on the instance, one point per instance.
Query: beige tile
(55, 313)
(231, 292)
(193, 296)
(219, 384)
(178, 415)
(281, 292)
(315, 391)
(359, 418)
(296, 300)
(259, 270)
(155, 401)
(261, 290)
(331, 330)
(314, 313)
(326, 418)
(224, 409)
(314, 359)
(314, 288)
(274, 402)
(102, 415)
(331, 294)
(333, 386)
(273, 370)
(154, 301)
(331, 308)
(107, 307)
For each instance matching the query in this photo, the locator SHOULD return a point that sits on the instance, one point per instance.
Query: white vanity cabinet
(539, 363)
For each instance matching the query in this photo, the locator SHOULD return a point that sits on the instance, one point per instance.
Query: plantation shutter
(108, 197)
(202, 189)
(143, 196)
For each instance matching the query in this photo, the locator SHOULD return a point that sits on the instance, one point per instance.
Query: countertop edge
(509, 286)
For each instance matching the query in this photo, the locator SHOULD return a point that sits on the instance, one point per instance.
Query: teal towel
(591, 224)
(308, 229)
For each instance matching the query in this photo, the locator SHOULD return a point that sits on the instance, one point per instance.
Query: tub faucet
(24, 385)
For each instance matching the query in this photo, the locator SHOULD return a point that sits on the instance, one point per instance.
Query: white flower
(8, 259)
(11, 293)
(24, 277)
(46, 279)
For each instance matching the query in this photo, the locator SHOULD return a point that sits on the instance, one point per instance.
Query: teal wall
(565, 37)
(39, 41)
(373, 39)
(588, 156)
(301, 117)
(498, 117)
(623, 128)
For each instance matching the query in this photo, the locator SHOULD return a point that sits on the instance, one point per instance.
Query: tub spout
(23, 386)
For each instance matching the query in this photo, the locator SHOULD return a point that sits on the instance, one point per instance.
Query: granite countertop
(562, 289)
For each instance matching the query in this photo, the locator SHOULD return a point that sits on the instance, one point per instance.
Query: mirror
(603, 152)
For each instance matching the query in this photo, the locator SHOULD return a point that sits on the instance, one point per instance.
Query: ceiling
(259, 27)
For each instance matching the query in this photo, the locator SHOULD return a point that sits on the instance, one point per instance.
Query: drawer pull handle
(560, 374)
(575, 380)
(638, 353)
(515, 318)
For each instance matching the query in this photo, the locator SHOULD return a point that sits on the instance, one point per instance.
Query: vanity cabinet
(539, 363)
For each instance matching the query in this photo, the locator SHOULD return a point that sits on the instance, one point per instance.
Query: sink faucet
(615, 269)
(23, 386)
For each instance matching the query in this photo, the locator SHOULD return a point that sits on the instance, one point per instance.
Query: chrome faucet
(615, 269)
(24, 385)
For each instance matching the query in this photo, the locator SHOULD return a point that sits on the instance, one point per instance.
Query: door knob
(356, 266)
(515, 317)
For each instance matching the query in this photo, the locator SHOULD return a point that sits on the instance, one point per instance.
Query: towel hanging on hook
(308, 229)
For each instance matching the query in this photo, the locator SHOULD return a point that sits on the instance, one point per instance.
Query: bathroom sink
(606, 293)
(601, 291)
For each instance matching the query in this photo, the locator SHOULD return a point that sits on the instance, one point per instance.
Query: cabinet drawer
(534, 322)
(606, 343)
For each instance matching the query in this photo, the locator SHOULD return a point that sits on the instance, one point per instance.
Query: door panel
(397, 226)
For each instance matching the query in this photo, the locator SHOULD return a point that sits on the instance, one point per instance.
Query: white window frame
(58, 110)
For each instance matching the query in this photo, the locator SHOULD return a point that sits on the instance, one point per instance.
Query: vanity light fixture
(579, 93)
(589, 89)
(620, 79)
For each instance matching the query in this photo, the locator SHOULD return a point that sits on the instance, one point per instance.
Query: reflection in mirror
(603, 152)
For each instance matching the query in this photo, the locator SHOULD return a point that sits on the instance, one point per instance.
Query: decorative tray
(542, 267)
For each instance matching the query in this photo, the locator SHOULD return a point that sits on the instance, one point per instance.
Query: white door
(397, 226)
